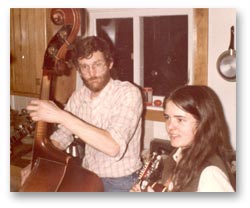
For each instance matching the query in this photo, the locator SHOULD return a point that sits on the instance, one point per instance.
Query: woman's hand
(44, 110)
(150, 189)
(135, 188)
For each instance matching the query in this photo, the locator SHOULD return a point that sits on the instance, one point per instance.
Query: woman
(197, 128)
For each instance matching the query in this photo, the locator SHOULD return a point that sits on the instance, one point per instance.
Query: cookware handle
(231, 45)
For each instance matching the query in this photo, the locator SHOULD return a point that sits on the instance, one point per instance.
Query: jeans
(121, 184)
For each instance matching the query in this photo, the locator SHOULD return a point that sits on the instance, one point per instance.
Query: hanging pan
(226, 63)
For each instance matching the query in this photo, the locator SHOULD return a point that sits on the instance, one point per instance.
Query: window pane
(165, 53)
(119, 33)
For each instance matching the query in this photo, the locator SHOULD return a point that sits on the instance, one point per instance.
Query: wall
(19, 102)
(220, 22)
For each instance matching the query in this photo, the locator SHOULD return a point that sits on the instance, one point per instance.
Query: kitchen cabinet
(28, 41)
(30, 32)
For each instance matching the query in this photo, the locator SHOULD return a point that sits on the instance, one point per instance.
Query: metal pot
(226, 63)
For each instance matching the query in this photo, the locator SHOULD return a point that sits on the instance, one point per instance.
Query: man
(104, 113)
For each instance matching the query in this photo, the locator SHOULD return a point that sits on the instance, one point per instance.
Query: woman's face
(181, 126)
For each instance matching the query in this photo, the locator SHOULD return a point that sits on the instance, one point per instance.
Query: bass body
(53, 170)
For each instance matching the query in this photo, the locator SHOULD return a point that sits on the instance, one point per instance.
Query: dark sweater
(169, 164)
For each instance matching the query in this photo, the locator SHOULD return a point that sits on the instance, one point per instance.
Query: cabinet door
(27, 47)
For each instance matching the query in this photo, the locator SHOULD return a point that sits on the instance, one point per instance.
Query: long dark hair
(212, 134)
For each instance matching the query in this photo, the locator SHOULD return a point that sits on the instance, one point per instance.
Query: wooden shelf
(154, 115)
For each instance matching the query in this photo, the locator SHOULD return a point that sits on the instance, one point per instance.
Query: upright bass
(53, 170)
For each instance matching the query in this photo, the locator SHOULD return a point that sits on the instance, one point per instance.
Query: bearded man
(105, 114)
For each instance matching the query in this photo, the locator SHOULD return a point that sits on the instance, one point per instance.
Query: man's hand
(44, 110)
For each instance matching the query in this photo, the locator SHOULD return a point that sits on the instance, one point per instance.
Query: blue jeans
(121, 184)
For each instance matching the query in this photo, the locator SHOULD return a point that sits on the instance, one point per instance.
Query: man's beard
(97, 83)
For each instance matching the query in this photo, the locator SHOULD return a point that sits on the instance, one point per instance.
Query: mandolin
(54, 170)
(150, 171)
(150, 174)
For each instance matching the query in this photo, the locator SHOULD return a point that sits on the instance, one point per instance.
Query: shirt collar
(177, 155)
